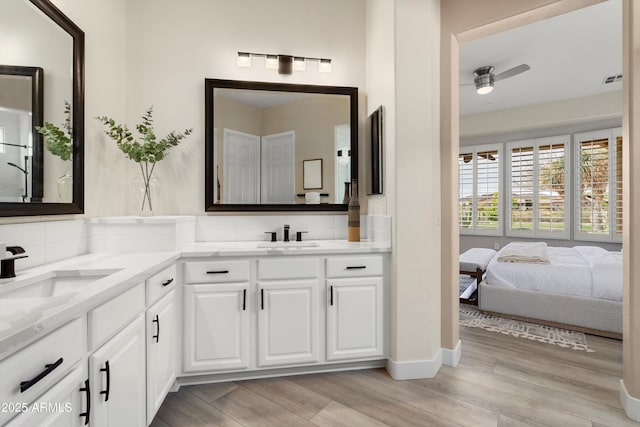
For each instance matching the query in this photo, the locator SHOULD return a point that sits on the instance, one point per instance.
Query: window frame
(474, 230)
(611, 134)
(536, 143)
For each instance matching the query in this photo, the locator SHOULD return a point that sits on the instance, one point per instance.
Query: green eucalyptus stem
(145, 149)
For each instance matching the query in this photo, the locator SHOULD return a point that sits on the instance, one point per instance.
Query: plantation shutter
(479, 203)
(538, 191)
(594, 160)
(618, 185)
(599, 185)
(551, 192)
(487, 197)
(522, 188)
(465, 192)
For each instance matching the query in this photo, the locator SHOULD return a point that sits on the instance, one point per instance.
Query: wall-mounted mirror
(258, 136)
(42, 60)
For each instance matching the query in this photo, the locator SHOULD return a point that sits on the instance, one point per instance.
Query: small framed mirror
(312, 174)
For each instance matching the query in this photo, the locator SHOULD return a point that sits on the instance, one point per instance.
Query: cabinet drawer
(354, 266)
(61, 350)
(111, 316)
(216, 271)
(160, 284)
(288, 268)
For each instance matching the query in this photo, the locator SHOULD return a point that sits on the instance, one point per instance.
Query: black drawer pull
(108, 371)
(218, 272)
(26, 385)
(167, 283)
(244, 300)
(330, 295)
(87, 390)
(261, 299)
(157, 322)
(356, 267)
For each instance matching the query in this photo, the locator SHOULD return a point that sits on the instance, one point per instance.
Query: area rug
(472, 317)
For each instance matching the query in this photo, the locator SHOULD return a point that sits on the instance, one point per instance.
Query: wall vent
(612, 79)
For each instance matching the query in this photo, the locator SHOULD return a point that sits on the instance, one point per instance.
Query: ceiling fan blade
(467, 84)
(512, 72)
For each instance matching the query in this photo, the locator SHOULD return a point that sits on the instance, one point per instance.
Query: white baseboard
(415, 369)
(452, 357)
(630, 404)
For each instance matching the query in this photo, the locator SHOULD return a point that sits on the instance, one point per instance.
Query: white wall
(103, 23)
(172, 46)
(380, 50)
(560, 113)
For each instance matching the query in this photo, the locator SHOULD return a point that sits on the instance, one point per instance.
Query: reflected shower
(26, 174)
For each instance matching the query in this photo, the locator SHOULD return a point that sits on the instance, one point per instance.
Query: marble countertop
(252, 248)
(24, 318)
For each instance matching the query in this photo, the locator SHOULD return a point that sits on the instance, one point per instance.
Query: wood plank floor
(500, 381)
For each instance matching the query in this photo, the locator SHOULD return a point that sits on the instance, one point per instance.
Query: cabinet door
(287, 322)
(161, 350)
(63, 405)
(216, 327)
(354, 318)
(117, 373)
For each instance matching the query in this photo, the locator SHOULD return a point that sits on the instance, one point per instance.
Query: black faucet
(286, 233)
(7, 265)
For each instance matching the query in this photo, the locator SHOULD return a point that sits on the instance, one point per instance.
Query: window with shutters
(479, 209)
(538, 192)
(598, 185)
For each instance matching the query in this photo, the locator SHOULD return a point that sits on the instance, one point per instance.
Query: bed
(578, 288)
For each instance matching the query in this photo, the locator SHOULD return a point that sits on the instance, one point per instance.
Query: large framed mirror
(258, 136)
(43, 51)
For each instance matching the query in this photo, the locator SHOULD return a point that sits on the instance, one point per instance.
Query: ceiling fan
(484, 77)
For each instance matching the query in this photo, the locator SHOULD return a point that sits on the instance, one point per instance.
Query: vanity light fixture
(271, 62)
(285, 64)
(244, 59)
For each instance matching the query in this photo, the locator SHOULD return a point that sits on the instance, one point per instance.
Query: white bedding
(582, 271)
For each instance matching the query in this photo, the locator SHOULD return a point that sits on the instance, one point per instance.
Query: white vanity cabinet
(63, 405)
(216, 307)
(161, 337)
(117, 377)
(43, 367)
(355, 314)
(117, 367)
(161, 351)
(288, 310)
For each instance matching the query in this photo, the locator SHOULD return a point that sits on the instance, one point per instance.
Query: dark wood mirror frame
(77, 103)
(211, 84)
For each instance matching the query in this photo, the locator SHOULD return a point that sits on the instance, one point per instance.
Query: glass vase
(147, 195)
(65, 188)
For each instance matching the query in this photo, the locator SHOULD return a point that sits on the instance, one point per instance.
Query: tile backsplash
(46, 242)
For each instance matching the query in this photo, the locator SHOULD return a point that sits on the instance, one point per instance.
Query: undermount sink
(287, 245)
(53, 284)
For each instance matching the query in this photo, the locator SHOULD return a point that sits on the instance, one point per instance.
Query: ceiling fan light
(484, 83)
(483, 90)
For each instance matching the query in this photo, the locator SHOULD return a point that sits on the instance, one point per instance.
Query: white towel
(524, 252)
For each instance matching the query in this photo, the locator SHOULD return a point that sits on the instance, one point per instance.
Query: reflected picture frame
(312, 174)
